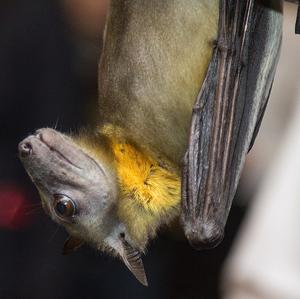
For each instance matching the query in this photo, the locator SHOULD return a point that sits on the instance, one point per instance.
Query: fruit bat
(183, 86)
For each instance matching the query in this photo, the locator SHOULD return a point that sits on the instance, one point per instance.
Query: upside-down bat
(183, 89)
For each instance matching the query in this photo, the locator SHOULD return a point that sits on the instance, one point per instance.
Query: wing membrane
(225, 114)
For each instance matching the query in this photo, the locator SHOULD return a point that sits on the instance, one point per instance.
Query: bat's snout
(29, 145)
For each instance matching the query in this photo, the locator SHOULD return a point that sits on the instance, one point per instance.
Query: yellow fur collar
(149, 193)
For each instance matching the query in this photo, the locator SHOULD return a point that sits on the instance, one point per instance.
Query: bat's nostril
(25, 149)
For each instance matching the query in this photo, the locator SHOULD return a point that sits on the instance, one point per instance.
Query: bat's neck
(149, 192)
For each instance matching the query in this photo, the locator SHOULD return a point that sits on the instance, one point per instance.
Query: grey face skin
(79, 193)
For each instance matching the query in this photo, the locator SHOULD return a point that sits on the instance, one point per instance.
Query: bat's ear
(71, 245)
(133, 260)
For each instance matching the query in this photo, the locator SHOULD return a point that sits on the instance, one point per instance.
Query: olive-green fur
(154, 60)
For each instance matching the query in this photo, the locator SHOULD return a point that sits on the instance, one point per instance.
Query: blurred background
(49, 52)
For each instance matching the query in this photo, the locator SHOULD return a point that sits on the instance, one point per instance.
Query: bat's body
(155, 59)
(150, 75)
(114, 187)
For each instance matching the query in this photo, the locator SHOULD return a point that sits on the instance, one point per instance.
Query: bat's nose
(25, 149)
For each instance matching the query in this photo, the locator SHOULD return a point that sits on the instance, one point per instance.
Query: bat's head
(76, 191)
(79, 190)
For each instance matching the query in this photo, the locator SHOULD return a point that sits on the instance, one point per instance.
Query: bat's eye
(64, 206)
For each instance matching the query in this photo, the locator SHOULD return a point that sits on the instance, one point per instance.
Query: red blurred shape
(14, 207)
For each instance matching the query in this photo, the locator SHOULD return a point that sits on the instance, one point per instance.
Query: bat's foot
(204, 235)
